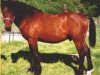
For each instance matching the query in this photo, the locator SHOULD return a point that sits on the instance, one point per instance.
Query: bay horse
(36, 25)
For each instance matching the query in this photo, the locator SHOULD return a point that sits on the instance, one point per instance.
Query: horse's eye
(4, 21)
(10, 20)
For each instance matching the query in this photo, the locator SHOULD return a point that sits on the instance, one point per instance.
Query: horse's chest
(31, 31)
(24, 31)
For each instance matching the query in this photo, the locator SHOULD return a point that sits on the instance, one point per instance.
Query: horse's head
(8, 14)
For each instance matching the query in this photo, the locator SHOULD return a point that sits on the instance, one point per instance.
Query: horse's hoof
(89, 72)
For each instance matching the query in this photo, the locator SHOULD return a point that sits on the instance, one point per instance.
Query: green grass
(50, 68)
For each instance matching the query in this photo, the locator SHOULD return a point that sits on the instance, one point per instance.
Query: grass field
(15, 59)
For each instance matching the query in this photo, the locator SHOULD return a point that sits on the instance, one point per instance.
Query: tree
(54, 6)
(92, 7)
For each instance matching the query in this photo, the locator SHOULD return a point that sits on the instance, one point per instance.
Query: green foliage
(92, 6)
(54, 6)
(46, 6)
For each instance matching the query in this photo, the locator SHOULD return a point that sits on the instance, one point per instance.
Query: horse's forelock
(6, 3)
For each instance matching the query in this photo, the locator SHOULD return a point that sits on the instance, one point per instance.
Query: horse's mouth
(8, 29)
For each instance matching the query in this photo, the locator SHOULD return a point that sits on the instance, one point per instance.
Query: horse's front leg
(35, 60)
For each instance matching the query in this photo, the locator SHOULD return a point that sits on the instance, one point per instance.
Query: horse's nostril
(7, 29)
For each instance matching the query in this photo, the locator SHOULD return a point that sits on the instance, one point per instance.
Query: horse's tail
(92, 32)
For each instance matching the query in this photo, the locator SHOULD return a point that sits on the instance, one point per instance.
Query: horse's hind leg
(88, 56)
(35, 60)
(83, 51)
(89, 62)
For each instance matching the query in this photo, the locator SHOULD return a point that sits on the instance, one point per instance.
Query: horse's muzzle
(8, 29)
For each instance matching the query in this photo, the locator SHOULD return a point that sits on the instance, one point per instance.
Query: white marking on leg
(89, 72)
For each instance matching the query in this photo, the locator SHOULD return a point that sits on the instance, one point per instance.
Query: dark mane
(23, 7)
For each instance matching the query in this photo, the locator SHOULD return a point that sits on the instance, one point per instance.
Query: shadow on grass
(69, 60)
(3, 57)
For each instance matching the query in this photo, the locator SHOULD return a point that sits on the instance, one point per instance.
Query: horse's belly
(52, 39)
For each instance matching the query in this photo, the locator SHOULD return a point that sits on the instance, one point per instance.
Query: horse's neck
(21, 13)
